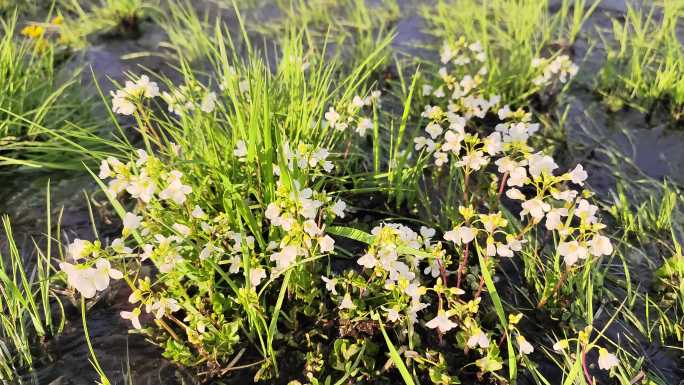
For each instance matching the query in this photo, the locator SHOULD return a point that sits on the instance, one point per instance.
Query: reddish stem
(442, 272)
(462, 266)
(501, 186)
(480, 287)
(587, 376)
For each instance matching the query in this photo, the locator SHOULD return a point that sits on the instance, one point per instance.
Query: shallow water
(653, 148)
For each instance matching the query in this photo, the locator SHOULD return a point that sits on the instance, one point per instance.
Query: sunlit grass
(27, 317)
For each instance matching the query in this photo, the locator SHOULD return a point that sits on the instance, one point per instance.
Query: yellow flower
(33, 31)
(57, 20)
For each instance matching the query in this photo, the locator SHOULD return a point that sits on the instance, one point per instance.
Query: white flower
(392, 314)
(567, 195)
(198, 213)
(338, 208)
(571, 251)
(536, 208)
(206, 251)
(492, 143)
(310, 227)
(131, 222)
(433, 268)
(434, 129)
(208, 102)
(504, 112)
(121, 103)
(524, 346)
(142, 187)
(104, 271)
(461, 234)
(285, 257)
(517, 177)
(176, 190)
(81, 278)
(330, 284)
(326, 243)
(256, 275)
(358, 102)
(441, 322)
(347, 302)
(123, 100)
(414, 309)
(479, 338)
(181, 229)
(133, 317)
(144, 87)
(120, 247)
(163, 305)
(504, 250)
(560, 345)
(432, 112)
(364, 125)
(474, 160)
(600, 245)
(235, 264)
(440, 158)
(553, 218)
(578, 175)
(105, 171)
(452, 142)
(516, 194)
(318, 157)
(272, 212)
(368, 261)
(586, 211)
(427, 232)
(79, 249)
(540, 163)
(147, 252)
(240, 149)
(332, 116)
(446, 53)
(422, 141)
(607, 360)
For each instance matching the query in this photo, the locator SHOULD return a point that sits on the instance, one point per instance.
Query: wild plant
(513, 34)
(27, 316)
(645, 60)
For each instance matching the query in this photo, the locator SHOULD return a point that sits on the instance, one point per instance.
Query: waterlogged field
(342, 192)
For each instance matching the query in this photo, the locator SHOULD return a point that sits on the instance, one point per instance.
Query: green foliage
(513, 34)
(26, 314)
(645, 59)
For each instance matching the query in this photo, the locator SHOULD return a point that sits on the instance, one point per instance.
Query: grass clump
(120, 18)
(240, 200)
(516, 36)
(27, 317)
(645, 60)
(42, 111)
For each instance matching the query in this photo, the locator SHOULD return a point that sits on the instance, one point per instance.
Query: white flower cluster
(391, 257)
(89, 276)
(144, 179)
(299, 211)
(560, 67)
(186, 98)
(306, 157)
(158, 304)
(350, 116)
(124, 101)
(522, 169)
(180, 100)
(466, 100)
